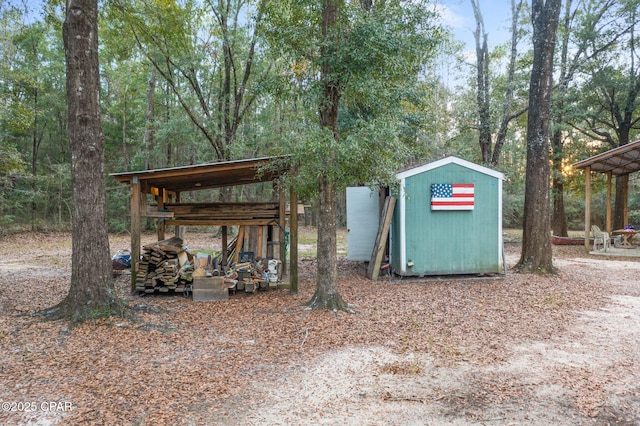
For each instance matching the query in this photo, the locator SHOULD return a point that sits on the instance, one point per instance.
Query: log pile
(165, 267)
(168, 267)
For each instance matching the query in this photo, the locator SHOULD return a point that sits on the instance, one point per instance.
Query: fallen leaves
(179, 362)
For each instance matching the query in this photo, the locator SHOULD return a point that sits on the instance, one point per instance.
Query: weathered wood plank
(221, 222)
(381, 238)
(156, 211)
(221, 209)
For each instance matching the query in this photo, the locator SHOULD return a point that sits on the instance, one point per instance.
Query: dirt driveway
(562, 349)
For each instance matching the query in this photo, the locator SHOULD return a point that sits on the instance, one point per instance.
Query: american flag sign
(452, 196)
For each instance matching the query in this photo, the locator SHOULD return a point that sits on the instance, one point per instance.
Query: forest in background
(188, 82)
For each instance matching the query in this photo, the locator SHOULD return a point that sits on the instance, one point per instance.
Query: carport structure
(156, 193)
(619, 161)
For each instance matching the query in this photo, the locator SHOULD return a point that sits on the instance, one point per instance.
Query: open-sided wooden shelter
(619, 161)
(166, 185)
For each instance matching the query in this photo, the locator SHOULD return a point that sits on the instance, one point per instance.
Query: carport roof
(619, 161)
(204, 176)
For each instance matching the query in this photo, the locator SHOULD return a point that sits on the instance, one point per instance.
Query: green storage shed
(448, 220)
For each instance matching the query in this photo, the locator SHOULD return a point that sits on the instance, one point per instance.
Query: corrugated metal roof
(619, 161)
(203, 176)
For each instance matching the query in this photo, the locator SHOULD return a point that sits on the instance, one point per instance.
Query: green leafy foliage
(11, 161)
(397, 105)
(375, 56)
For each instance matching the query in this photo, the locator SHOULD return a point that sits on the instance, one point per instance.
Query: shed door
(363, 215)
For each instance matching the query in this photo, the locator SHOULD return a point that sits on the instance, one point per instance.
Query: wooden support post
(381, 238)
(223, 260)
(162, 199)
(293, 241)
(587, 207)
(265, 237)
(608, 224)
(135, 230)
(625, 197)
(259, 252)
(179, 230)
(282, 223)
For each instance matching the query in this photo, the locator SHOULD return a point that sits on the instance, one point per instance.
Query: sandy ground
(578, 365)
(595, 360)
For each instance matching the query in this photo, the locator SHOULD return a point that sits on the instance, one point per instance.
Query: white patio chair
(600, 238)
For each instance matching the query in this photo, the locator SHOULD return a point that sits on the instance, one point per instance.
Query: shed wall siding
(448, 242)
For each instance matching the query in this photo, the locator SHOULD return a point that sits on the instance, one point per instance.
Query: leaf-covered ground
(518, 349)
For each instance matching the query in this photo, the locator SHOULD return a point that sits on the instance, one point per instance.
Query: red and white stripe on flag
(452, 196)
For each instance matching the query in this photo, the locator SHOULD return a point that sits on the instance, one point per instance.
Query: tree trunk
(622, 194)
(149, 119)
(491, 152)
(326, 295)
(218, 123)
(559, 218)
(507, 115)
(92, 291)
(37, 140)
(536, 242)
(482, 89)
(125, 149)
(621, 207)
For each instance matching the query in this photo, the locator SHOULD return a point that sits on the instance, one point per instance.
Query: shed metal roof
(204, 176)
(448, 160)
(619, 161)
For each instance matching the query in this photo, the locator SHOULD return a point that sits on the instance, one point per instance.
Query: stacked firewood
(165, 266)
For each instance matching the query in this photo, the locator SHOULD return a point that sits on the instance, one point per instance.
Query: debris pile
(120, 261)
(168, 266)
(251, 276)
